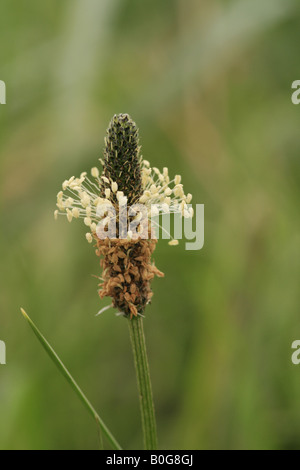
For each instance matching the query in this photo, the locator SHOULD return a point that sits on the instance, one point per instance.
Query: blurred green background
(209, 85)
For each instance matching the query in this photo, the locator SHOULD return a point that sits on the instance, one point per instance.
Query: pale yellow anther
(189, 198)
(94, 227)
(97, 201)
(106, 202)
(106, 180)
(74, 184)
(89, 237)
(165, 207)
(60, 206)
(177, 179)
(85, 200)
(107, 193)
(173, 242)
(65, 185)
(183, 207)
(146, 163)
(114, 187)
(88, 211)
(143, 198)
(95, 172)
(154, 211)
(69, 215)
(168, 191)
(69, 202)
(123, 201)
(178, 191)
(87, 221)
(55, 214)
(146, 172)
(76, 212)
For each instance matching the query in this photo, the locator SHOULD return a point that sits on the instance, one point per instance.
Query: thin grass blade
(64, 371)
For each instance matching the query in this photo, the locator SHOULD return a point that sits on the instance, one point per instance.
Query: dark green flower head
(122, 162)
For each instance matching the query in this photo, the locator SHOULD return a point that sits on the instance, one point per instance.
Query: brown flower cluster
(127, 273)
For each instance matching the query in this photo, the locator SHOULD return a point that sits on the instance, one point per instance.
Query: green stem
(144, 383)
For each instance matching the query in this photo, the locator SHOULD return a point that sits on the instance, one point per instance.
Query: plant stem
(144, 383)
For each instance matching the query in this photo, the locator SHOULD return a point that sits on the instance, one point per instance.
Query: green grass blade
(54, 357)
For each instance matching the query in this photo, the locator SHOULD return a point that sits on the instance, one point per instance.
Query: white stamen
(173, 242)
(69, 215)
(103, 310)
(95, 172)
(114, 187)
(87, 221)
(76, 212)
(89, 237)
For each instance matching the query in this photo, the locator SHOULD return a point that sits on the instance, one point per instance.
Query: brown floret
(127, 273)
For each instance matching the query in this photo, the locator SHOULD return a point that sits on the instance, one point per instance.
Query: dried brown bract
(127, 273)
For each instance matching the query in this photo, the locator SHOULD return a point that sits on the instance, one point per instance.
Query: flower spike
(126, 180)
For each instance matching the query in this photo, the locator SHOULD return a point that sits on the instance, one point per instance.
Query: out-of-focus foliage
(209, 84)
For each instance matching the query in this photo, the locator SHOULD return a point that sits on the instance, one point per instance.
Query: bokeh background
(209, 84)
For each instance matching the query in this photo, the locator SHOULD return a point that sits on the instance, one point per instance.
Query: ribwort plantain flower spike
(126, 179)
